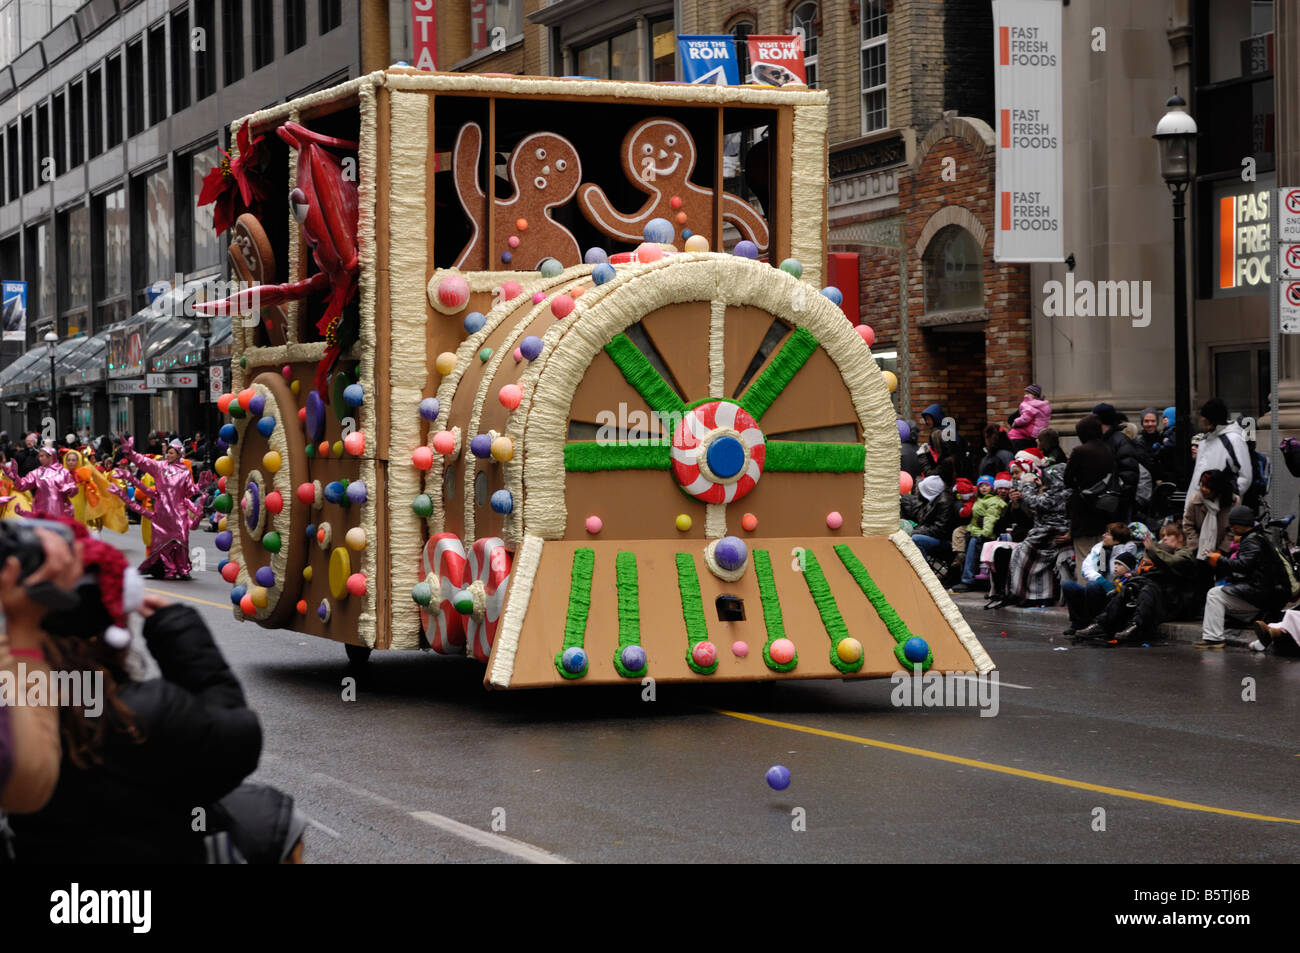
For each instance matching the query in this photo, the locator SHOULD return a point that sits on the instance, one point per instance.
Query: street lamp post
(1176, 135)
(209, 435)
(52, 339)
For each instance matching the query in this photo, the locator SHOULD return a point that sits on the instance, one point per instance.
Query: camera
(18, 538)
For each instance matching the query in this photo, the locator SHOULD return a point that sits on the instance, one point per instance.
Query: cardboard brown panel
(744, 332)
(633, 504)
(680, 333)
(603, 390)
(815, 397)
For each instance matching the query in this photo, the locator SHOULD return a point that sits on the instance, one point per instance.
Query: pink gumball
(357, 584)
(834, 520)
(649, 251)
(594, 525)
(511, 289)
(422, 458)
(739, 649)
(782, 651)
(354, 443)
(444, 441)
(538, 297)
(562, 306)
(287, 371)
(518, 355)
(867, 334)
(453, 292)
(510, 395)
(904, 482)
(704, 653)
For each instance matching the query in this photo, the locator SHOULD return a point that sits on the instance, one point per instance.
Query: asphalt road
(1156, 745)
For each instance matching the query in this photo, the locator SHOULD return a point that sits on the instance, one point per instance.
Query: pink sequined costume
(52, 488)
(172, 515)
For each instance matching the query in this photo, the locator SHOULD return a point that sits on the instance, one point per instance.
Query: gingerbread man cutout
(544, 171)
(659, 156)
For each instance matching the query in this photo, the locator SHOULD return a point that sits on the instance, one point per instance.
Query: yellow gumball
(306, 573)
(446, 363)
(295, 386)
(272, 461)
(225, 465)
(221, 525)
(684, 522)
(258, 595)
(891, 380)
(503, 448)
(849, 650)
(337, 449)
(356, 538)
(697, 243)
(340, 569)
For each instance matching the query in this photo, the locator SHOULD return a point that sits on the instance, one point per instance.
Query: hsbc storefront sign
(1243, 217)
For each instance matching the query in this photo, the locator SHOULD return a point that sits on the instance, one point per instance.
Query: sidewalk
(972, 603)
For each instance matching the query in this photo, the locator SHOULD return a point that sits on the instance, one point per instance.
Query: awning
(35, 378)
(85, 365)
(15, 368)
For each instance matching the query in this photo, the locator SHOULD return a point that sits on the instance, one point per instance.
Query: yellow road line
(1003, 769)
(177, 595)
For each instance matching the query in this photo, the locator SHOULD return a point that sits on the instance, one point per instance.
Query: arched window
(954, 270)
(804, 23)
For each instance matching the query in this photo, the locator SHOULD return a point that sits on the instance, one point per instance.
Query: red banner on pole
(776, 60)
(424, 34)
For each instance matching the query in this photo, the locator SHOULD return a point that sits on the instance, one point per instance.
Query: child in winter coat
(964, 490)
(1034, 417)
(1085, 601)
(984, 517)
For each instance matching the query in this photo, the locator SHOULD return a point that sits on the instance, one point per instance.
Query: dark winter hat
(1241, 516)
(1035, 390)
(1128, 559)
(1215, 411)
(1106, 414)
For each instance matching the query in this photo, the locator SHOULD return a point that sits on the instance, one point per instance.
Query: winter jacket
(200, 740)
(939, 517)
(27, 459)
(1089, 462)
(999, 461)
(1175, 572)
(909, 459)
(1126, 462)
(1213, 455)
(1256, 573)
(1047, 502)
(1035, 416)
(1099, 564)
(938, 448)
(1015, 521)
(985, 514)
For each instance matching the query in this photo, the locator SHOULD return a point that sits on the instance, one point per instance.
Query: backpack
(1261, 473)
(1287, 575)
(1105, 495)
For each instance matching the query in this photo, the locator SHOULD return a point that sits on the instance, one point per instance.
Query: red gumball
(422, 458)
(274, 502)
(904, 482)
(245, 396)
(230, 572)
(867, 334)
(302, 415)
(221, 484)
(223, 403)
(306, 493)
(246, 606)
(357, 584)
(302, 607)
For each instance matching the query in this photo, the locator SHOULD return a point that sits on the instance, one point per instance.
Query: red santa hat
(1002, 480)
(964, 488)
(121, 588)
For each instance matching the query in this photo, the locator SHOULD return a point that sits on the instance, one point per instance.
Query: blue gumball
(916, 650)
(474, 322)
(481, 445)
(574, 660)
(686, 233)
(311, 531)
(225, 539)
(354, 395)
(531, 347)
(659, 230)
(429, 408)
(503, 501)
(229, 433)
(237, 594)
(266, 426)
(334, 492)
(602, 273)
(834, 294)
(595, 256)
(778, 777)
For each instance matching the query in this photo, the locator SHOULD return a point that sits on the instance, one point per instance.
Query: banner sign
(126, 352)
(130, 387)
(424, 34)
(776, 60)
(709, 60)
(1027, 90)
(154, 381)
(184, 379)
(1243, 241)
(1288, 223)
(15, 310)
(216, 381)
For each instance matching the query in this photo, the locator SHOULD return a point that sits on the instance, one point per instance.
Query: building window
(157, 75)
(263, 33)
(42, 143)
(1241, 378)
(204, 245)
(741, 32)
(8, 31)
(499, 19)
(112, 257)
(663, 51)
(156, 218)
(295, 24)
(95, 106)
(954, 271)
(74, 276)
(205, 68)
(875, 80)
(805, 25)
(232, 40)
(60, 133)
(29, 145)
(617, 57)
(76, 125)
(331, 15)
(134, 88)
(41, 304)
(13, 167)
(180, 60)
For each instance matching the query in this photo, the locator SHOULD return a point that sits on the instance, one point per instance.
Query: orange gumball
(750, 522)
(324, 448)
(223, 403)
(302, 607)
(246, 606)
(245, 396)
(230, 572)
(521, 224)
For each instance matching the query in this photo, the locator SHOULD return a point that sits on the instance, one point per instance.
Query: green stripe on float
(697, 630)
(767, 387)
(832, 621)
(590, 456)
(771, 610)
(796, 456)
(629, 612)
(640, 373)
(888, 614)
(575, 624)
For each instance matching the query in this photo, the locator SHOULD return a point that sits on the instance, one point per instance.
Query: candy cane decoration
(718, 452)
(445, 568)
(489, 578)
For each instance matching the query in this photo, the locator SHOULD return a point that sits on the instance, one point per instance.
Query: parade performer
(172, 514)
(13, 503)
(95, 504)
(52, 486)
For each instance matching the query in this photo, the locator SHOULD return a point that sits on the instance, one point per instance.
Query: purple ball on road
(531, 347)
(778, 777)
(746, 249)
(731, 553)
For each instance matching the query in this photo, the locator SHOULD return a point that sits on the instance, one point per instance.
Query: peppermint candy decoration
(444, 566)
(718, 452)
(489, 564)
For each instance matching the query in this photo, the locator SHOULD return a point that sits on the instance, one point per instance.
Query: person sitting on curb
(984, 516)
(936, 517)
(1086, 601)
(1161, 588)
(1257, 580)
(1284, 636)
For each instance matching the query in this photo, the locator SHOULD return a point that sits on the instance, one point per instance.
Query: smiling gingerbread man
(658, 155)
(544, 172)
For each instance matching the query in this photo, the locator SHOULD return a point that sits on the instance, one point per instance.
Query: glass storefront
(119, 414)
(164, 412)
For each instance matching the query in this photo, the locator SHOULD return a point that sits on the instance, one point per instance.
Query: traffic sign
(1288, 204)
(1289, 306)
(1290, 261)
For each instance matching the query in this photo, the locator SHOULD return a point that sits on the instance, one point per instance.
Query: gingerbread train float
(452, 429)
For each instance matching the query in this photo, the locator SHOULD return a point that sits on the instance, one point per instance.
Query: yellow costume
(95, 505)
(11, 502)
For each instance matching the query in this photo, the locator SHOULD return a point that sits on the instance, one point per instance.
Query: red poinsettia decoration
(236, 185)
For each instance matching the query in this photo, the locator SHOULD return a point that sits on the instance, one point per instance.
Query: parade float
(519, 383)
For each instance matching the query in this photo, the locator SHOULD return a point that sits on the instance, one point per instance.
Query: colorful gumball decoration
(834, 294)
(229, 433)
(429, 408)
(224, 465)
(697, 243)
(782, 651)
(792, 267)
(307, 493)
(223, 402)
(510, 396)
(704, 654)
(356, 492)
(422, 506)
(271, 460)
(446, 363)
(256, 404)
(444, 442)
(453, 293)
(550, 268)
(834, 520)
(867, 334)
(905, 482)
(594, 525)
(274, 502)
(422, 457)
(357, 585)
(574, 660)
(595, 256)
(354, 395)
(531, 347)
(647, 252)
(489, 563)
(502, 501)
(511, 290)
(502, 449)
(562, 306)
(355, 443)
(444, 559)
(602, 273)
(481, 445)
(230, 571)
(890, 379)
(746, 249)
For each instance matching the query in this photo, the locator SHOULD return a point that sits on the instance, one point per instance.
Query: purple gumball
(314, 419)
(429, 408)
(595, 256)
(633, 658)
(904, 431)
(778, 777)
(481, 445)
(356, 492)
(746, 249)
(531, 347)
(224, 540)
(265, 577)
(731, 553)
(256, 404)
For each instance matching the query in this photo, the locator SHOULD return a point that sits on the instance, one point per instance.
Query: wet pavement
(1165, 754)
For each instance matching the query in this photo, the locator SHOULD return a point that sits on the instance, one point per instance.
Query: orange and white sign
(1243, 226)
(1027, 89)
(424, 35)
